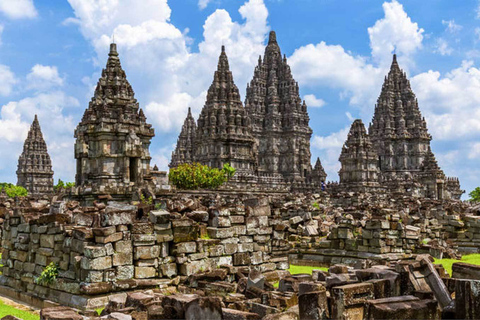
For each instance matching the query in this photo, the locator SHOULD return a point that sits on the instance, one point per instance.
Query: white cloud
(202, 4)
(43, 77)
(313, 101)
(7, 79)
(450, 100)
(331, 66)
(451, 26)
(442, 47)
(395, 32)
(13, 129)
(18, 9)
(349, 116)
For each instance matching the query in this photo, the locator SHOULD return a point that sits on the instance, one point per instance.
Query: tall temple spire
(224, 133)
(183, 152)
(113, 138)
(398, 131)
(279, 118)
(318, 173)
(34, 171)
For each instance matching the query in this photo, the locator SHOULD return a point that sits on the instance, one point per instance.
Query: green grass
(304, 269)
(447, 263)
(301, 269)
(6, 310)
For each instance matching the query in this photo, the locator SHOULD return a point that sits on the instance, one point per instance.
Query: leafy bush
(197, 176)
(13, 191)
(475, 195)
(48, 275)
(63, 185)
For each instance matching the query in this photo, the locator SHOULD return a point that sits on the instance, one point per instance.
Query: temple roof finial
(272, 38)
(113, 49)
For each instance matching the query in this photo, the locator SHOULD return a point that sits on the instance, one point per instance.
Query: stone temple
(34, 171)
(268, 141)
(113, 138)
(398, 150)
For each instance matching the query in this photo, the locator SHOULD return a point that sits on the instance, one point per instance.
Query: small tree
(63, 185)
(196, 176)
(13, 191)
(475, 195)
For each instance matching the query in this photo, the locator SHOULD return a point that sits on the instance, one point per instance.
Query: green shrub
(13, 191)
(196, 176)
(475, 195)
(48, 275)
(63, 185)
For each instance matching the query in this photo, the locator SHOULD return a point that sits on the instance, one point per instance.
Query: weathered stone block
(100, 263)
(147, 252)
(145, 272)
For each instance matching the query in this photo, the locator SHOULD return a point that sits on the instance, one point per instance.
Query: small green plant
(48, 275)
(148, 201)
(316, 205)
(99, 311)
(206, 236)
(63, 185)
(13, 191)
(197, 176)
(475, 195)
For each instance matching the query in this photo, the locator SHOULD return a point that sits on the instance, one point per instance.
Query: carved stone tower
(398, 131)
(113, 138)
(279, 118)
(183, 153)
(34, 171)
(224, 133)
(359, 161)
(318, 174)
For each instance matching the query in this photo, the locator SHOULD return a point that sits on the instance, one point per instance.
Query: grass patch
(6, 310)
(304, 269)
(447, 263)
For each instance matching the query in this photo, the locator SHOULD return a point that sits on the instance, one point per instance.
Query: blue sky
(52, 53)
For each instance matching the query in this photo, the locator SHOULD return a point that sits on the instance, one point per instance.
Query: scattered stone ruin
(209, 255)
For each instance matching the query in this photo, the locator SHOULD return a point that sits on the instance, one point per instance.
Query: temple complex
(268, 141)
(113, 138)
(399, 157)
(34, 171)
(279, 118)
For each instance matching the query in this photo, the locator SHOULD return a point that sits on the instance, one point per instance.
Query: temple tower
(34, 171)
(279, 118)
(224, 133)
(398, 130)
(359, 164)
(183, 152)
(318, 174)
(113, 138)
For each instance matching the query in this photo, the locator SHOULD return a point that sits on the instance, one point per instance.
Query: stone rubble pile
(414, 289)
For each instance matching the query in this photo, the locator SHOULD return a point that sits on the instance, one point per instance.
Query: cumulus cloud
(449, 100)
(43, 77)
(331, 66)
(312, 101)
(395, 32)
(18, 9)
(7, 79)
